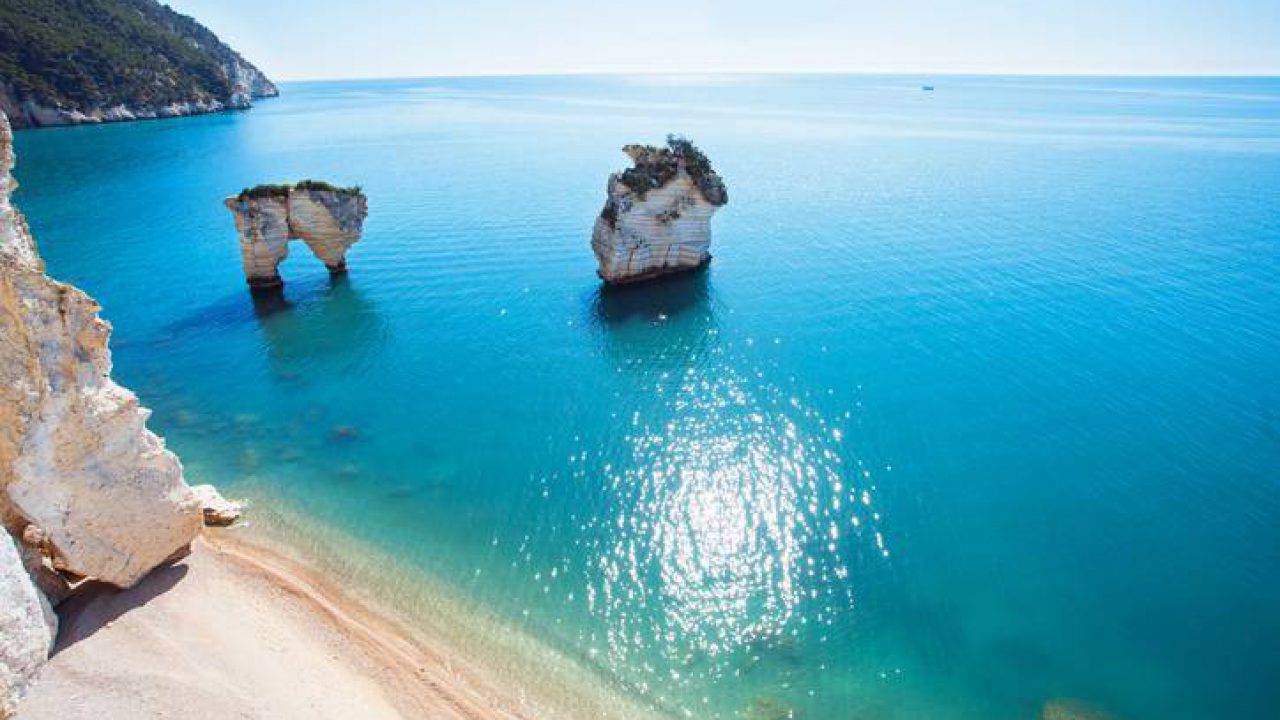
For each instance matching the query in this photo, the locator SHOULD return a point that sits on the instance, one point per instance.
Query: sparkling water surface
(977, 406)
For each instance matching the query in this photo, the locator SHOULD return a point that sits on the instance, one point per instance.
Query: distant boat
(927, 88)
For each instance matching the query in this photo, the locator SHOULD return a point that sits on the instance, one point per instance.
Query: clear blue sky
(296, 39)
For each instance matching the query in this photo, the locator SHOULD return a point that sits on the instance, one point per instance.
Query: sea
(974, 414)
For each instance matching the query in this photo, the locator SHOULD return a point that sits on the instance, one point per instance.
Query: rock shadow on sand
(101, 604)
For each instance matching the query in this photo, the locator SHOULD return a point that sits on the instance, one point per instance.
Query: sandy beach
(234, 630)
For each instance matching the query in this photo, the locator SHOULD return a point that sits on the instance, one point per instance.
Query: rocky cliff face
(27, 626)
(328, 219)
(109, 60)
(86, 490)
(657, 216)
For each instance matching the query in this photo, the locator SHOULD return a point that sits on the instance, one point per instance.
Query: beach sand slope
(233, 632)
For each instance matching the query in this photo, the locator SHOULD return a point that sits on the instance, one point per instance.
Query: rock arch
(328, 219)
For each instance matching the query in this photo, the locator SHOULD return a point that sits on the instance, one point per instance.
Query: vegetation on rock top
(656, 166)
(268, 190)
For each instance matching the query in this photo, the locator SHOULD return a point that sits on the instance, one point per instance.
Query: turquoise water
(977, 406)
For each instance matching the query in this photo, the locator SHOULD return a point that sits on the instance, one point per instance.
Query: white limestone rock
(328, 219)
(263, 225)
(218, 511)
(27, 627)
(329, 222)
(76, 457)
(657, 216)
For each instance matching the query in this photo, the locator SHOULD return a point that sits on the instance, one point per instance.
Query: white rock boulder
(27, 627)
(657, 215)
(218, 511)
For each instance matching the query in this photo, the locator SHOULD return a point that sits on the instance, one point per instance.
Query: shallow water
(975, 407)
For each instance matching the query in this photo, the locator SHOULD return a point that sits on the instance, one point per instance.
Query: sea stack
(657, 216)
(86, 490)
(328, 219)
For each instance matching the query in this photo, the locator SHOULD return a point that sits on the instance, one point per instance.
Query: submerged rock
(1069, 709)
(765, 707)
(328, 219)
(344, 432)
(657, 215)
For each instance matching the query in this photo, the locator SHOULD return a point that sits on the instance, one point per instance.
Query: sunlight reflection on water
(728, 528)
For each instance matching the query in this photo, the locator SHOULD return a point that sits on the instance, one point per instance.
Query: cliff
(109, 60)
(328, 219)
(657, 214)
(86, 490)
(27, 627)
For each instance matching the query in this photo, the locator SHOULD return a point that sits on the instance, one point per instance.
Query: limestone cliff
(328, 219)
(86, 490)
(27, 626)
(657, 215)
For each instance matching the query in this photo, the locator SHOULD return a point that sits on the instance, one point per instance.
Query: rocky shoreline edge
(36, 116)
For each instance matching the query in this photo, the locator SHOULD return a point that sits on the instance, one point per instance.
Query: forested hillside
(65, 61)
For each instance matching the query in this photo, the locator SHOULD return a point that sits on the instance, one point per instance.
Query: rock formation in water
(86, 490)
(109, 60)
(657, 216)
(327, 218)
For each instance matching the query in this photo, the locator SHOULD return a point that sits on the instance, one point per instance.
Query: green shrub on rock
(267, 190)
(656, 166)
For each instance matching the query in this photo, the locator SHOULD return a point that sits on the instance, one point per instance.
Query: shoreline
(283, 637)
(419, 678)
(235, 630)
(43, 117)
(552, 681)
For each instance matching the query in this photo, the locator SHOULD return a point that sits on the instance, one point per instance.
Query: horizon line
(1274, 74)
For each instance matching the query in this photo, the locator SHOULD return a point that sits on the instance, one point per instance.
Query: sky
(322, 39)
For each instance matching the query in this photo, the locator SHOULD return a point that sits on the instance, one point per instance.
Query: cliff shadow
(101, 604)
